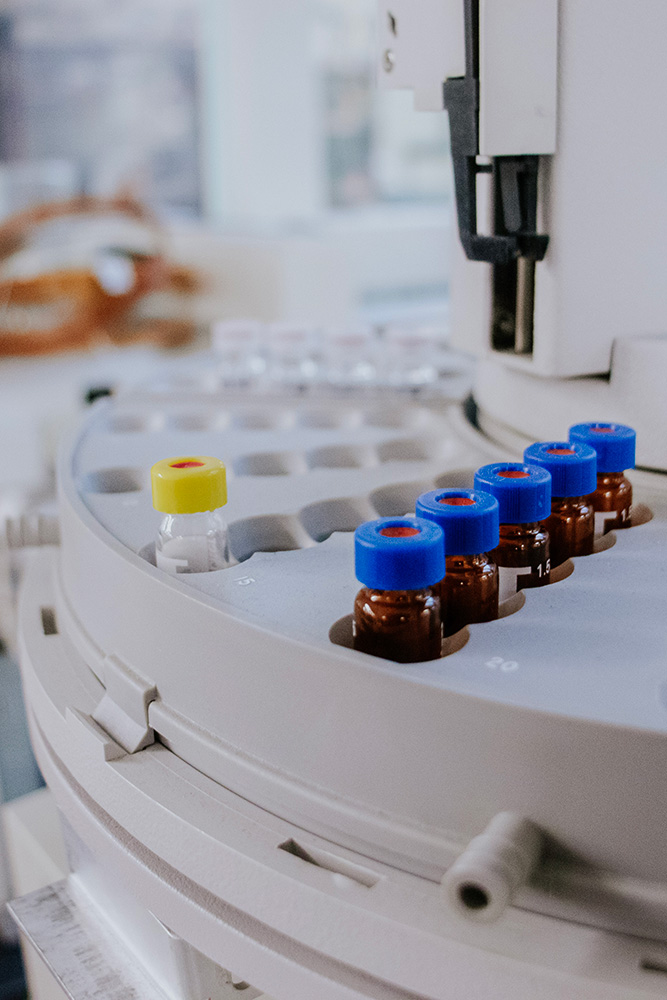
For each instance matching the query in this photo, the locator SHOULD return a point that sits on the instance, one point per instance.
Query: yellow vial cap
(189, 485)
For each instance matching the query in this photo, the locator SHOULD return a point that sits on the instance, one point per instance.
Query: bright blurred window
(107, 88)
(378, 148)
(260, 116)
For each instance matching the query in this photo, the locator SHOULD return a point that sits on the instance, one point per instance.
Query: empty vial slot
(113, 481)
(270, 463)
(399, 499)
(134, 423)
(191, 421)
(270, 533)
(321, 519)
(342, 457)
(262, 420)
(49, 623)
(327, 418)
(404, 451)
(331, 863)
(388, 417)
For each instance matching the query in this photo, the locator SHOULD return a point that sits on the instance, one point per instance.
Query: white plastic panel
(544, 408)
(262, 633)
(421, 44)
(303, 473)
(518, 42)
(602, 196)
(211, 865)
(314, 796)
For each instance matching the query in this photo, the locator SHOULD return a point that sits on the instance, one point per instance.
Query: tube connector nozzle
(482, 881)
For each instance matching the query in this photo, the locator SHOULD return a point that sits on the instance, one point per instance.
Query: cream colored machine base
(244, 791)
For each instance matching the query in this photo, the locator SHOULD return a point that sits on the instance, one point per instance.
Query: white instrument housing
(288, 806)
(579, 85)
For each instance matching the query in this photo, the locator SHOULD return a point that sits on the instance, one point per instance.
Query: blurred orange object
(67, 309)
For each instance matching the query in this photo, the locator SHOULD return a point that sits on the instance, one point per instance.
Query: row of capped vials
(464, 551)
(287, 356)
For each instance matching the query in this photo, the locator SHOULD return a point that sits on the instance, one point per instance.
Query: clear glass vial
(292, 354)
(469, 519)
(190, 491)
(573, 469)
(523, 493)
(238, 346)
(614, 445)
(396, 613)
(348, 357)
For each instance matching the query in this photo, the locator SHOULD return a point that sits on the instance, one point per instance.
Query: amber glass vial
(614, 445)
(523, 493)
(397, 613)
(573, 470)
(469, 519)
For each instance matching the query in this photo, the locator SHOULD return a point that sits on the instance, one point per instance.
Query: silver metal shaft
(525, 305)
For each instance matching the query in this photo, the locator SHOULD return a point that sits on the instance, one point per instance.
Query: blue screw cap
(523, 491)
(614, 444)
(469, 519)
(573, 466)
(399, 553)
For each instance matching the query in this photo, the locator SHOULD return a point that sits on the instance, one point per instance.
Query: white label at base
(507, 580)
(606, 520)
(189, 554)
(170, 565)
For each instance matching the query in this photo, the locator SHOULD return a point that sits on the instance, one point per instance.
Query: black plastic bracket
(514, 177)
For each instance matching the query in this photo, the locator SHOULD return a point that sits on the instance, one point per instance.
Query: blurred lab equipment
(68, 288)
